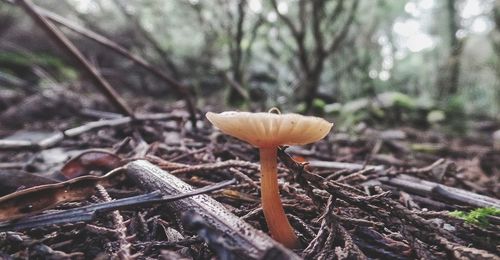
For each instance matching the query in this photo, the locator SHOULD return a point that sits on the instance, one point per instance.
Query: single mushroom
(267, 131)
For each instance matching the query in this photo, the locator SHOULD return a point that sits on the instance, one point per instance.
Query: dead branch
(71, 49)
(347, 166)
(440, 192)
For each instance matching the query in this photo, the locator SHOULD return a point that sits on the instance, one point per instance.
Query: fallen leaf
(33, 200)
(90, 160)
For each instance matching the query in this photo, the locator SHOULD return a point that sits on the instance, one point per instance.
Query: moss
(477, 216)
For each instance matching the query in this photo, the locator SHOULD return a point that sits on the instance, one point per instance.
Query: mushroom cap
(268, 129)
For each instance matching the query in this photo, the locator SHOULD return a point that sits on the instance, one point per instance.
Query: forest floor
(369, 193)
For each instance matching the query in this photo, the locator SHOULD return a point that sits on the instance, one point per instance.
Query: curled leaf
(13, 180)
(90, 160)
(39, 198)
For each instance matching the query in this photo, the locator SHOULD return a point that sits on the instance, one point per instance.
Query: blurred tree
(230, 23)
(496, 46)
(449, 78)
(311, 29)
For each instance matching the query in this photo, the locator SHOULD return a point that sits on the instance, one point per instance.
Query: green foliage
(318, 106)
(16, 60)
(456, 104)
(454, 109)
(319, 103)
(300, 108)
(38, 59)
(477, 216)
(397, 100)
(436, 116)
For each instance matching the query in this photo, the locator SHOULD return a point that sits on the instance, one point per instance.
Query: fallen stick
(246, 241)
(347, 166)
(439, 191)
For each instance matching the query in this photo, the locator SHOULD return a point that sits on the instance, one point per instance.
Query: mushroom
(267, 131)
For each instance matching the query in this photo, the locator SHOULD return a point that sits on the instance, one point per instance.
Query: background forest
(429, 60)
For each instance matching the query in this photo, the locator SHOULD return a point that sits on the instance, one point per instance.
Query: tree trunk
(496, 45)
(235, 97)
(448, 83)
(308, 89)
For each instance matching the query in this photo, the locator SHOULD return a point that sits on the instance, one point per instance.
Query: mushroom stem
(278, 224)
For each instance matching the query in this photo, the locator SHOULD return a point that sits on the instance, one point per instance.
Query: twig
(343, 165)
(216, 166)
(240, 175)
(161, 244)
(360, 222)
(119, 227)
(71, 49)
(356, 175)
(439, 191)
(425, 169)
(253, 213)
(97, 114)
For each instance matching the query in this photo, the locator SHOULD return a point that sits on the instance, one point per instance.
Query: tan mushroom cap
(268, 129)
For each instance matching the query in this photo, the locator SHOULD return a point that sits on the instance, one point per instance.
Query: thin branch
(236, 86)
(253, 37)
(237, 73)
(335, 43)
(303, 15)
(317, 16)
(71, 49)
(285, 19)
(298, 35)
(149, 38)
(336, 12)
